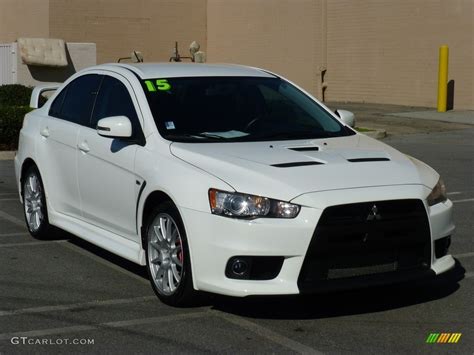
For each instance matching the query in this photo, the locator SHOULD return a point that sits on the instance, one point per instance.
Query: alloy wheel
(33, 202)
(165, 254)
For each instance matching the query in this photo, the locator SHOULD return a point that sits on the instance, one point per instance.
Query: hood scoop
(362, 160)
(305, 149)
(296, 163)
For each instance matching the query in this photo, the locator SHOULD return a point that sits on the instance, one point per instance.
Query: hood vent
(362, 160)
(295, 164)
(305, 149)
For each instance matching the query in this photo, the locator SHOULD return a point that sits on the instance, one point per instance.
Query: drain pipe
(324, 37)
(323, 85)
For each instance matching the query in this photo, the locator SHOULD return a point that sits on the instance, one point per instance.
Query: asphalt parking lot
(65, 288)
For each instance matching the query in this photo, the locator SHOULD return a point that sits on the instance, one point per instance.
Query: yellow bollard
(443, 78)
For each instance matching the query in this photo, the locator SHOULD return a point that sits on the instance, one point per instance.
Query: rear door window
(79, 99)
(55, 109)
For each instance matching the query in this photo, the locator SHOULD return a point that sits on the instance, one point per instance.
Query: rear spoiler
(39, 90)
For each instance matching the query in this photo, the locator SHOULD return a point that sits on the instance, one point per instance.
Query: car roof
(183, 69)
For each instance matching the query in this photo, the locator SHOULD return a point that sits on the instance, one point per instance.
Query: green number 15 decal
(160, 84)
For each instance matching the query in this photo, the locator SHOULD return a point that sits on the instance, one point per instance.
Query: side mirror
(347, 117)
(115, 127)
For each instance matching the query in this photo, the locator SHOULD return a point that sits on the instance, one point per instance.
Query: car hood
(287, 169)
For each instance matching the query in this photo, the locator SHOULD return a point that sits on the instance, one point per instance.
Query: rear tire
(34, 204)
(167, 256)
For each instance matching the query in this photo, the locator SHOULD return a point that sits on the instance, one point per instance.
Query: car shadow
(325, 305)
(106, 255)
(336, 304)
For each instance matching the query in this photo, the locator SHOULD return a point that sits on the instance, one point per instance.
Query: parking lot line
(266, 333)
(12, 219)
(119, 324)
(9, 194)
(18, 234)
(464, 200)
(464, 255)
(104, 262)
(468, 275)
(454, 193)
(51, 331)
(9, 199)
(12, 245)
(175, 317)
(67, 307)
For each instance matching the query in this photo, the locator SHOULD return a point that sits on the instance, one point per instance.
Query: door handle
(45, 132)
(83, 146)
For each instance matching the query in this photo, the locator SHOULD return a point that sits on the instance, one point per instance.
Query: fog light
(249, 267)
(239, 267)
(442, 246)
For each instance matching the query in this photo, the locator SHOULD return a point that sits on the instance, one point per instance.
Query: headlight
(438, 194)
(238, 205)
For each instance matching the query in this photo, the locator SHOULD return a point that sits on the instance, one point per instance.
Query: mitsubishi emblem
(374, 214)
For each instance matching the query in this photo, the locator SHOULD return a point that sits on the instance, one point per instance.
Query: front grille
(365, 243)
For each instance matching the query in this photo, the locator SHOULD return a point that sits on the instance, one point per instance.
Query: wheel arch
(153, 199)
(27, 163)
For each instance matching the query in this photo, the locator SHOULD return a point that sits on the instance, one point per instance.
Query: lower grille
(366, 243)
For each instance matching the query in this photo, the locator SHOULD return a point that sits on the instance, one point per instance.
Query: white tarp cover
(43, 51)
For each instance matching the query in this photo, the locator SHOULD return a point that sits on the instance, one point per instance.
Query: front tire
(167, 256)
(34, 204)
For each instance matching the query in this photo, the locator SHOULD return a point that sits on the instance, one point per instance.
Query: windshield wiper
(193, 136)
(208, 135)
(291, 135)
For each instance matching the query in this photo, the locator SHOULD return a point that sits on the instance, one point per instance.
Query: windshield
(221, 109)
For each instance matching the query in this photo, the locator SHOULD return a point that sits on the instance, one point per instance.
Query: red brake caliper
(180, 254)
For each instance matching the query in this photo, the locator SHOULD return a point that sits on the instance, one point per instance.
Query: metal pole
(443, 78)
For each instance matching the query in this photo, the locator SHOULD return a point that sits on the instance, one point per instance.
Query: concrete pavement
(69, 289)
(399, 120)
(463, 117)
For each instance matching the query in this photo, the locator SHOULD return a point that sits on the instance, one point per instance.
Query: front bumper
(213, 240)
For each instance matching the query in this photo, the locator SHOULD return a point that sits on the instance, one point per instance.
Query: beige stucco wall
(380, 51)
(278, 35)
(23, 18)
(386, 51)
(120, 26)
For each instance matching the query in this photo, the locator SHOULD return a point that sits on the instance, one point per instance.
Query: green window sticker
(150, 86)
(162, 84)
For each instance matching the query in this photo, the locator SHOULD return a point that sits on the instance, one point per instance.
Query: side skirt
(114, 243)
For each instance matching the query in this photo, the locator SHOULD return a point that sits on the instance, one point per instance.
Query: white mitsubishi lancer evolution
(227, 179)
